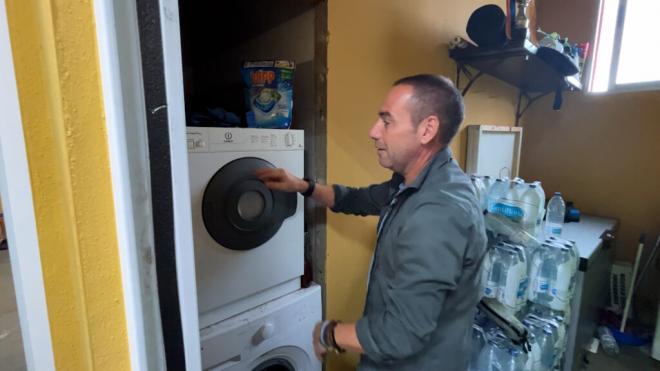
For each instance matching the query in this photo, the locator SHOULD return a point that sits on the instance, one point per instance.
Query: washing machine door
(277, 364)
(239, 211)
(285, 358)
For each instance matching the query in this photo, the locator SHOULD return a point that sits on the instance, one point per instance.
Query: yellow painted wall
(600, 151)
(57, 71)
(373, 43)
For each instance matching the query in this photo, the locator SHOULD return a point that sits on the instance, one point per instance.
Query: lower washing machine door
(287, 358)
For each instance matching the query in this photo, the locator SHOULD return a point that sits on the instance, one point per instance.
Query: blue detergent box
(269, 93)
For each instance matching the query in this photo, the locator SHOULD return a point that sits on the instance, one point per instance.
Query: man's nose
(374, 133)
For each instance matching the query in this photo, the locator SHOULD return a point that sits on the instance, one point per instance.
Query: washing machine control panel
(203, 139)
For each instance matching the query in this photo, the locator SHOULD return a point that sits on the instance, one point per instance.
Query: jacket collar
(438, 160)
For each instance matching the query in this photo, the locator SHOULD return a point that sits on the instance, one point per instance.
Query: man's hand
(281, 180)
(319, 350)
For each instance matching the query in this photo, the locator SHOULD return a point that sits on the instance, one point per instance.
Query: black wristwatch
(311, 184)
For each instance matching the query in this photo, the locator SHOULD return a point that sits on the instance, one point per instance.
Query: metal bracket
(529, 100)
(472, 78)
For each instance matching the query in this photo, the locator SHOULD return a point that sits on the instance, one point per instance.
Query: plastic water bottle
(480, 190)
(497, 191)
(534, 357)
(548, 348)
(519, 187)
(531, 204)
(554, 219)
(574, 259)
(488, 182)
(507, 260)
(523, 280)
(608, 342)
(509, 279)
(509, 204)
(492, 273)
(561, 285)
(541, 193)
(478, 343)
(563, 339)
(575, 254)
(545, 340)
(492, 355)
(543, 273)
(535, 261)
(558, 333)
(516, 360)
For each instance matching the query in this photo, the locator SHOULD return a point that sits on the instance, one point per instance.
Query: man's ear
(429, 129)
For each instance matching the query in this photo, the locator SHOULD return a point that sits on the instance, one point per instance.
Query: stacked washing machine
(249, 252)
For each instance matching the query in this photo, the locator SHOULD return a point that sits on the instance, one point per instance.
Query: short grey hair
(436, 95)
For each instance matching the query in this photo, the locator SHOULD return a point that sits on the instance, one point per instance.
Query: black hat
(486, 26)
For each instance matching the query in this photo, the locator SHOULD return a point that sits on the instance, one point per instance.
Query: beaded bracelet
(327, 336)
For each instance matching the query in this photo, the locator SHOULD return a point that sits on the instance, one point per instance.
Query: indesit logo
(228, 137)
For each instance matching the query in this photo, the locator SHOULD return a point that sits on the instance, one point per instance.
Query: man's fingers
(270, 174)
(274, 185)
(265, 173)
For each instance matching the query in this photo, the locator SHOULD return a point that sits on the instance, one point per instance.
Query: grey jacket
(424, 283)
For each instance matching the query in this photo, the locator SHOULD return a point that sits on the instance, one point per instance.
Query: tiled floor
(11, 346)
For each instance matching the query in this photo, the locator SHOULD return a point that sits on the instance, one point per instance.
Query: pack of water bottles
(553, 273)
(547, 336)
(543, 272)
(492, 350)
(522, 203)
(505, 276)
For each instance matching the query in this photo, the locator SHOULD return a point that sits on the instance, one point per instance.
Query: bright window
(626, 50)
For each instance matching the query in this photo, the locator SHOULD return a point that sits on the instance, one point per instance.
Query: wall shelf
(517, 65)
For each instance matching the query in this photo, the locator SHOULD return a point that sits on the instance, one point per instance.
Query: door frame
(18, 207)
(185, 258)
(127, 116)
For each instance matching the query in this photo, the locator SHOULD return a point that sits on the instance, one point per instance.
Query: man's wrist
(309, 189)
(327, 336)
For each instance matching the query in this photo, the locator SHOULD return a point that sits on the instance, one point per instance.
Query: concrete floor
(628, 359)
(11, 345)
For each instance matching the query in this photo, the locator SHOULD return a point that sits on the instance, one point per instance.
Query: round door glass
(276, 364)
(251, 205)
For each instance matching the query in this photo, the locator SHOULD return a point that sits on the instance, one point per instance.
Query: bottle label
(542, 286)
(522, 288)
(512, 212)
(490, 290)
(560, 289)
(508, 295)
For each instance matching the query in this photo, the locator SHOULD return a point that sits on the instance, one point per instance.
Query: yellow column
(57, 72)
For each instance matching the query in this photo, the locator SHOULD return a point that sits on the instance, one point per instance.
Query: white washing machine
(249, 246)
(276, 336)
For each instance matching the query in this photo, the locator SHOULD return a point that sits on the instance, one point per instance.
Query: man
(424, 281)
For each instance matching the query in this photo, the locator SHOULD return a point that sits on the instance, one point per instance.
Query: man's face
(394, 134)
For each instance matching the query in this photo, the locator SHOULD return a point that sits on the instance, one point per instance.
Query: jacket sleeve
(361, 201)
(429, 262)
